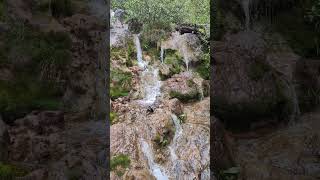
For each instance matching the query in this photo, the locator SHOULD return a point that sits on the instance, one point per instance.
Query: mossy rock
(191, 96)
(240, 116)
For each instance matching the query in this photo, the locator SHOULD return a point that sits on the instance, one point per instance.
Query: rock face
(245, 83)
(82, 73)
(290, 153)
(43, 138)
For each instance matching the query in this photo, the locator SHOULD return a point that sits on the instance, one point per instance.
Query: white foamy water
(149, 77)
(161, 54)
(141, 62)
(154, 168)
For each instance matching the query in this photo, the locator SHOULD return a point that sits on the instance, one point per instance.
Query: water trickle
(161, 54)
(246, 8)
(154, 168)
(178, 133)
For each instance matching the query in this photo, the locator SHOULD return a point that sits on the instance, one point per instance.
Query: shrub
(119, 163)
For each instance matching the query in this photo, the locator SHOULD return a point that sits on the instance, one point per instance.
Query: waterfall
(185, 57)
(149, 77)
(246, 8)
(161, 54)
(154, 168)
(141, 62)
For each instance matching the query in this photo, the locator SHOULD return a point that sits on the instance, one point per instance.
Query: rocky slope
(161, 125)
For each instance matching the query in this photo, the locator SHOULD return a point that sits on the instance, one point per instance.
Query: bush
(119, 163)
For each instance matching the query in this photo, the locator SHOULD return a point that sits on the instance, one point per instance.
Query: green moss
(163, 139)
(10, 171)
(204, 67)
(188, 97)
(113, 117)
(119, 163)
(120, 83)
(24, 95)
(228, 174)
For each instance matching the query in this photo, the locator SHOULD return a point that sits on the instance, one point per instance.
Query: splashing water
(154, 168)
(149, 77)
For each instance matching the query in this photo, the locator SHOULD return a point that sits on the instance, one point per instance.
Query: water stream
(178, 133)
(246, 8)
(153, 167)
(149, 77)
(161, 54)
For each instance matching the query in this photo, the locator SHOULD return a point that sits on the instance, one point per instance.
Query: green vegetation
(164, 138)
(182, 117)
(204, 67)
(119, 163)
(175, 62)
(120, 83)
(10, 171)
(32, 54)
(193, 95)
(113, 117)
(157, 16)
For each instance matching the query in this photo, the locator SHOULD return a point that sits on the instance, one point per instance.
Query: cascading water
(246, 8)
(178, 133)
(161, 54)
(154, 168)
(149, 77)
(141, 62)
